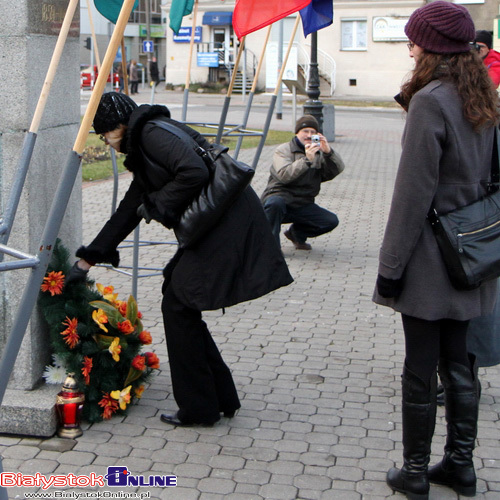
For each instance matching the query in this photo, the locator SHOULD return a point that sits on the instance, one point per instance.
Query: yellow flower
(123, 397)
(115, 349)
(100, 317)
(107, 293)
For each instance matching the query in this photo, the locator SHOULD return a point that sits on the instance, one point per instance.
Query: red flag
(252, 15)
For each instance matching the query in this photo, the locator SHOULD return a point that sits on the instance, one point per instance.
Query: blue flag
(317, 15)
(110, 9)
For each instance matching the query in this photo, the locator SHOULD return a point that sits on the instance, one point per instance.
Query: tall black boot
(419, 418)
(461, 386)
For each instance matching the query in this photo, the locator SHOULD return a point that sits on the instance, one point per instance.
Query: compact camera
(315, 139)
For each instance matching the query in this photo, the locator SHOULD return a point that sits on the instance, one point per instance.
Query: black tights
(427, 341)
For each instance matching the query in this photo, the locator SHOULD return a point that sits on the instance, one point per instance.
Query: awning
(217, 18)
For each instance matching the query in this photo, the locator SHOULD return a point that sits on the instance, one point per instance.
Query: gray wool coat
(445, 161)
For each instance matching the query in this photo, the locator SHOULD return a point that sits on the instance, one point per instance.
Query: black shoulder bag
(469, 237)
(228, 179)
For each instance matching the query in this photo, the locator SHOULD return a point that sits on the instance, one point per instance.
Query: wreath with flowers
(96, 337)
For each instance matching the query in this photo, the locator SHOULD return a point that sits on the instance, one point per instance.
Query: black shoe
(230, 414)
(176, 421)
(414, 486)
(290, 234)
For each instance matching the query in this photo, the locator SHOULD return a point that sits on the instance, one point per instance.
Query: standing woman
(446, 160)
(237, 260)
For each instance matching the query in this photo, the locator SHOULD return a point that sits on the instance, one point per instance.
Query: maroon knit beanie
(441, 27)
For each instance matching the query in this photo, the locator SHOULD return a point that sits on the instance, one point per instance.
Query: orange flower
(152, 360)
(115, 349)
(87, 368)
(145, 337)
(107, 292)
(100, 318)
(139, 390)
(125, 327)
(122, 307)
(139, 314)
(53, 283)
(123, 397)
(70, 334)
(139, 362)
(109, 404)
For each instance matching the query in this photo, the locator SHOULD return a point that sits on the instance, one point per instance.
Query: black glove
(76, 274)
(143, 212)
(388, 288)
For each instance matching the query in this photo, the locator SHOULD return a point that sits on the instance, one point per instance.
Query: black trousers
(202, 383)
(427, 341)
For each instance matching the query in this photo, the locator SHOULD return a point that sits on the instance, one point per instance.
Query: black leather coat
(238, 260)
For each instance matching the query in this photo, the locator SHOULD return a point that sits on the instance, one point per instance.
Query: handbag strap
(493, 185)
(183, 136)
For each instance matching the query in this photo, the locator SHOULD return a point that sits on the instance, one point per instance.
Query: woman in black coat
(237, 260)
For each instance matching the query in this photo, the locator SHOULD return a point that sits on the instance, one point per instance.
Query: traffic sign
(147, 46)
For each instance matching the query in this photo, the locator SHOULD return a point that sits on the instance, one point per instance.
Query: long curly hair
(470, 76)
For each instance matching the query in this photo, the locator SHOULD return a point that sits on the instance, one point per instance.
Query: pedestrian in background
(133, 76)
(445, 161)
(490, 57)
(154, 72)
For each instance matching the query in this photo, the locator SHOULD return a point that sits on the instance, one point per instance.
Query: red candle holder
(69, 405)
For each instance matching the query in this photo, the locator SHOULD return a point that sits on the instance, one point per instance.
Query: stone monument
(29, 34)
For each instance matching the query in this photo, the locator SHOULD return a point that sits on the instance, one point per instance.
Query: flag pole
(275, 95)
(188, 75)
(252, 91)
(227, 100)
(30, 139)
(94, 38)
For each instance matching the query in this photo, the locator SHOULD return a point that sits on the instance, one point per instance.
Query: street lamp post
(313, 106)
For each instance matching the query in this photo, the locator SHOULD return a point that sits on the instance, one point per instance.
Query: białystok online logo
(116, 476)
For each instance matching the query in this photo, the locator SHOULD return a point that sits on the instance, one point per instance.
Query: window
(353, 34)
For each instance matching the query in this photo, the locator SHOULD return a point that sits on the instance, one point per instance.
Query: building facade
(363, 53)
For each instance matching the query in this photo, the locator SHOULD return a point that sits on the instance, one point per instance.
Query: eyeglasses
(410, 45)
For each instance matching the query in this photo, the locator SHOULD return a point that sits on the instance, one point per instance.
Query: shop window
(353, 34)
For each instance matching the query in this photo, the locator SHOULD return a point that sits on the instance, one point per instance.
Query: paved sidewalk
(317, 365)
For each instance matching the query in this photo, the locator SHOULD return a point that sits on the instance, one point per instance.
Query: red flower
(70, 334)
(123, 309)
(152, 360)
(53, 283)
(145, 337)
(125, 327)
(139, 363)
(87, 368)
(139, 314)
(109, 405)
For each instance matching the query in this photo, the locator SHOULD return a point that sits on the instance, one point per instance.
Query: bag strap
(183, 136)
(493, 185)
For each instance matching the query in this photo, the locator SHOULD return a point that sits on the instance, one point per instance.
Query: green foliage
(77, 339)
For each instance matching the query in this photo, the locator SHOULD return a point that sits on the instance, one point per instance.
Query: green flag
(110, 9)
(178, 10)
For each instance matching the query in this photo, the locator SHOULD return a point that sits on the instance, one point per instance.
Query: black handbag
(469, 237)
(228, 179)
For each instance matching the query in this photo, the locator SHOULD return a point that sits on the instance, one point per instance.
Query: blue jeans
(308, 221)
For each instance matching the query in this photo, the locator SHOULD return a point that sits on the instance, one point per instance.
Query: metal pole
(260, 147)
(313, 106)
(279, 109)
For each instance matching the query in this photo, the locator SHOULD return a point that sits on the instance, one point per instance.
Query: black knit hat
(441, 27)
(305, 122)
(483, 36)
(114, 109)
